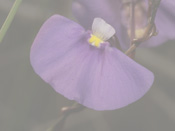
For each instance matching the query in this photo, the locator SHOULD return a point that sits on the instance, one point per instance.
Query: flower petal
(86, 10)
(99, 78)
(102, 30)
(56, 37)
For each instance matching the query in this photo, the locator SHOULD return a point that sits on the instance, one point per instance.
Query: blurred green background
(29, 104)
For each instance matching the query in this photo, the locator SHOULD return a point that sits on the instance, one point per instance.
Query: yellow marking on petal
(95, 41)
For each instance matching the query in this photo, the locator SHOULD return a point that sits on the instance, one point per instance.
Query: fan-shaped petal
(99, 78)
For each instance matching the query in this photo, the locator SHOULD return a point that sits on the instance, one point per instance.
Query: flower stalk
(132, 26)
(132, 21)
(65, 112)
(9, 19)
(151, 27)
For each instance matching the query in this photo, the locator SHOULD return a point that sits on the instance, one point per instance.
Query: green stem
(9, 19)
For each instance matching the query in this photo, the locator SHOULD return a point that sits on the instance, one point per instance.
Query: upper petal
(86, 10)
(102, 30)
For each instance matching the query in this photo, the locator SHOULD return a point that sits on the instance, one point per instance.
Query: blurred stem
(59, 124)
(131, 49)
(132, 21)
(151, 27)
(132, 26)
(65, 112)
(9, 19)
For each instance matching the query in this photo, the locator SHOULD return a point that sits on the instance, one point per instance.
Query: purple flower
(83, 67)
(116, 13)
